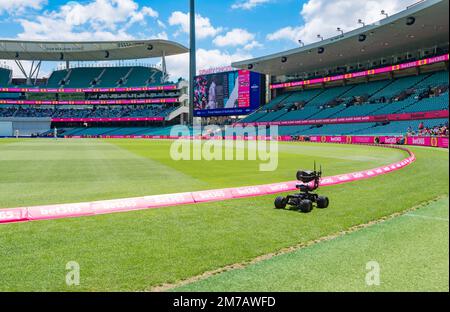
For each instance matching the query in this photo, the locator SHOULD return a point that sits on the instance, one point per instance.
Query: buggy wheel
(323, 202)
(305, 206)
(280, 202)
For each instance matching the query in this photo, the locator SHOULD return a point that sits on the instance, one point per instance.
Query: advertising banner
(91, 102)
(358, 119)
(89, 90)
(387, 69)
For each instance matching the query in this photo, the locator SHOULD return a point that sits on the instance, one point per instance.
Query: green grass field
(139, 250)
(411, 250)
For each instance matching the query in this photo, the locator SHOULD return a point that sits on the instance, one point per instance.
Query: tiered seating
(436, 79)
(302, 96)
(54, 81)
(112, 76)
(82, 77)
(337, 129)
(103, 112)
(429, 104)
(348, 101)
(393, 128)
(300, 114)
(366, 89)
(140, 76)
(108, 77)
(274, 103)
(254, 117)
(329, 95)
(399, 85)
(400, 127)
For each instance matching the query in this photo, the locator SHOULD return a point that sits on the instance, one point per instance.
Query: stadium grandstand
(380, 79)
(84, 95)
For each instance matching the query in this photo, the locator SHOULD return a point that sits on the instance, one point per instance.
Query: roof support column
(34, 71)
(19, 64)
(164, 68)
(192, 62)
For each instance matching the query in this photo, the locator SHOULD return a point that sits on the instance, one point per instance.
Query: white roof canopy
(420, 27)
(88, 51)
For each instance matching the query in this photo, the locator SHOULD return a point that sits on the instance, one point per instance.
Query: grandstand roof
(88, 51)
(390, 37)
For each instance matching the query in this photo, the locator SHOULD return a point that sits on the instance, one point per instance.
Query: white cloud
(161, 24)
(18, 6)
(94, 20)
(248, 4)
(162, 35)
(324, 16)
(234, 38)
(203, 26)
(253, 45)
(178, 65)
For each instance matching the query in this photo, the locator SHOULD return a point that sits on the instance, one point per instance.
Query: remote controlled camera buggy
(305, 199)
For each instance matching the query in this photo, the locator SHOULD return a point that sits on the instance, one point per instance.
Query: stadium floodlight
(360, 21)
(320, 37)
(383, 12)
(301, 43)
(339, 29)
(410, 20)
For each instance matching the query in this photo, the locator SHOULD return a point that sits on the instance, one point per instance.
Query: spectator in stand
(440, 130)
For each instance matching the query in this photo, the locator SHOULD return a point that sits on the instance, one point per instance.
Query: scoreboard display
(229, 93)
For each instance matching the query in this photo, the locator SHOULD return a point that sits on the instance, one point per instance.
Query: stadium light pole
(301, 43)
(383, 12)
(360, 21)
(192, 62)
(320, 37)
(339, 29)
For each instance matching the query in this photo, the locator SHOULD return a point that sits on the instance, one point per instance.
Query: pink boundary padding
(51, 212)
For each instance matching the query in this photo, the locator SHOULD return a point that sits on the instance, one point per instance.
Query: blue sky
(227, 30)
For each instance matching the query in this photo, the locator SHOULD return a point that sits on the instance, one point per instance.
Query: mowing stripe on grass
(427, 217)
(412, 254)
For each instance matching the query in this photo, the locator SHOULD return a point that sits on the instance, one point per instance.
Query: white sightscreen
(6, 128)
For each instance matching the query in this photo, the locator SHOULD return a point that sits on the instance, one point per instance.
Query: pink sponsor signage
(90, 102)
(89, 90)
(244, 88)
(427, 61)
(428, 141)
(13, 215)
(441, 142)
(107, 119)
(358, 119)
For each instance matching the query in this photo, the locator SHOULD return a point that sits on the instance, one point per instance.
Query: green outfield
(411, 251)
(140, 250)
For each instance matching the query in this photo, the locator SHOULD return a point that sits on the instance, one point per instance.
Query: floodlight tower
(192, 62)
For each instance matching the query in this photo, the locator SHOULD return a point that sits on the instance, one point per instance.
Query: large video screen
(227, 94)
